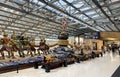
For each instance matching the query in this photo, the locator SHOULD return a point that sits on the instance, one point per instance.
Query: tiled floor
(99, 67)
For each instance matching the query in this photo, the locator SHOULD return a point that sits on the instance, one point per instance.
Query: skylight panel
(86, 8)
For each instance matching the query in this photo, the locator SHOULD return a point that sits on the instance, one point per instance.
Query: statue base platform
(63, 42)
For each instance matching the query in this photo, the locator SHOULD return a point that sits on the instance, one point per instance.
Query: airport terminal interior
(59, 38)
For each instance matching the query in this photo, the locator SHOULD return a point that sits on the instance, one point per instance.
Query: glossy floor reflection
(99, 67)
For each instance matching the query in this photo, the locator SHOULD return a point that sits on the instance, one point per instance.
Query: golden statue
(6, 47)
(16, 44)
(43, 46)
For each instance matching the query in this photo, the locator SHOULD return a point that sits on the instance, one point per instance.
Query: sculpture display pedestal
(21, 64)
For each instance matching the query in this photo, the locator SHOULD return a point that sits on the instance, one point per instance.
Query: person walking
(119, 49)
(113, 48)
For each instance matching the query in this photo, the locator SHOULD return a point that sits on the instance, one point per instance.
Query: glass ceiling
(43, 17)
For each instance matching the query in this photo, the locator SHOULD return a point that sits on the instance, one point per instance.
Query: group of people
(11, 45)
(111, 47)
(115, 47)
